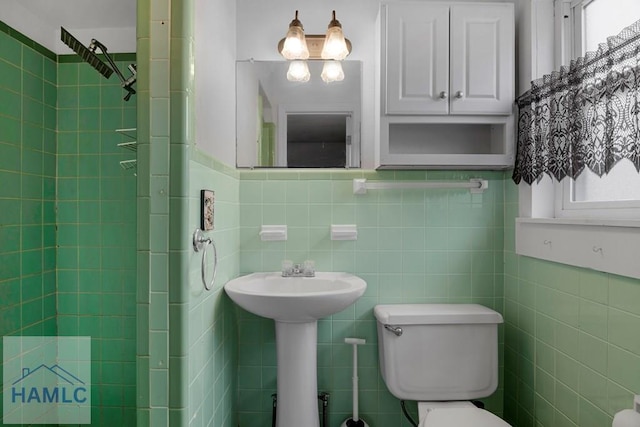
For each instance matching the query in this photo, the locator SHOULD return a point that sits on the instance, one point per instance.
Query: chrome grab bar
(395, 329)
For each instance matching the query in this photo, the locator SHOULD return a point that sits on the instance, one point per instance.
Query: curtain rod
(475, 185)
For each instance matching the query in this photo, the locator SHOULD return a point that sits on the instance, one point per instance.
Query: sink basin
(296, 304)
(295, 299)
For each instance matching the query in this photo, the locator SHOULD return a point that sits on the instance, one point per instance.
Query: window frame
(564, 204)
(589, 240)
(566, 207)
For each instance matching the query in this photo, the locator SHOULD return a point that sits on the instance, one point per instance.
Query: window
(616, 195)
(603, 18)
(590, 222)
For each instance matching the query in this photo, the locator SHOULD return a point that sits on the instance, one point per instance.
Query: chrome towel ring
(201, 243)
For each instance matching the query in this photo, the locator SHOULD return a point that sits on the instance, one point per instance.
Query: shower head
(84, 53)
(88, 54)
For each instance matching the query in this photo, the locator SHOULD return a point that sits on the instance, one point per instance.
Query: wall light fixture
(331, 47)
(298, 71)
(294, 45)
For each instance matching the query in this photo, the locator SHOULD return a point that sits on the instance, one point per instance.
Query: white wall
(535, 41)
(227, 30)
(260, 26)
(248, 132)
(111, 22)
(215, 70)
(263, 23)
(17, 17)
(536, 49)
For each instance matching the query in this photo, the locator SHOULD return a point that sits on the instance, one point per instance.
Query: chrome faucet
(306, 269)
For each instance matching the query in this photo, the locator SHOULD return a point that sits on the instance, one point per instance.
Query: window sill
(605, 245)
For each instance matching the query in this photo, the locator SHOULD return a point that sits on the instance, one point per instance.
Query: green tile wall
(27, 189)
(413, 246)
(571, 339)
(157, 390)
(186, 338)
(212, 339)
(60, 171)
(97, 231)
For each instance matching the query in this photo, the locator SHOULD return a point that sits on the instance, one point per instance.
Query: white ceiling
(113, 22)
(85, 13)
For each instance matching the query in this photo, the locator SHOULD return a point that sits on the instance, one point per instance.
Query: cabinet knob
(443, 95)
(459, 94)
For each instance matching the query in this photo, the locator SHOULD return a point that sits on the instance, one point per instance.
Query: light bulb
(335, 45)
(295, 44)
(298, 72)
(332, 72)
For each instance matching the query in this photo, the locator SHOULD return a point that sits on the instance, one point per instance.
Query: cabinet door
(417, 58)
(482, 58)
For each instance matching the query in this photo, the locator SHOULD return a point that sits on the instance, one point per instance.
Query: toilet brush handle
(354, 383)
(355, 342)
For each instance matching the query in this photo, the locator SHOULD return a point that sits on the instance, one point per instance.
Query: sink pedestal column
(296, 346)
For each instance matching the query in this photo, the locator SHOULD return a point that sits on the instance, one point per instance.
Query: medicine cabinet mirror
(287, 124)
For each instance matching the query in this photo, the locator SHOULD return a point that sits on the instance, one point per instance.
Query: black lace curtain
(585, 115)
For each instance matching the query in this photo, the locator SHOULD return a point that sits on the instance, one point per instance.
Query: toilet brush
(355, 421)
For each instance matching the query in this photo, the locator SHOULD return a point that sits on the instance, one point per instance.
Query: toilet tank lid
(433, 314)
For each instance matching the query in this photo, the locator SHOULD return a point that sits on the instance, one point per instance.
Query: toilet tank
(444, 351)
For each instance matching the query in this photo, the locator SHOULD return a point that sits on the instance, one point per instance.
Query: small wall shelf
(128, 164)
(128, 145)
(131, 146)
(128, 132)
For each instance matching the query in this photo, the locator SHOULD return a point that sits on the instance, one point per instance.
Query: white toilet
(443, 356)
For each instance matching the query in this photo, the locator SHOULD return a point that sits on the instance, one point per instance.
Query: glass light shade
(335, 47)
(295, 44)
(298, 72)
(332, 72)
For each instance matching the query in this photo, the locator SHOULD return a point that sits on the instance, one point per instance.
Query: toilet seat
(460, 416)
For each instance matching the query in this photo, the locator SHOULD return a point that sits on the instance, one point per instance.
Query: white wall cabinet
(449, 59)
(416, 58)
(447, 84)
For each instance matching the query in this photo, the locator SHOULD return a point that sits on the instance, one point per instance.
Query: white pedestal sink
(296, 304)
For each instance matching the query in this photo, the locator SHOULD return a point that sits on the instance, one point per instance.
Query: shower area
(68, 206)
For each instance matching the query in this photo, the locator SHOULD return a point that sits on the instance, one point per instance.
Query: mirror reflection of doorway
(318, 140)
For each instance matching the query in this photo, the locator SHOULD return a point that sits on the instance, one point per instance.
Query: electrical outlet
(207, 197)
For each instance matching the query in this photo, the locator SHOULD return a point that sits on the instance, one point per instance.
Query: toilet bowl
(443, 356)
(456, 414)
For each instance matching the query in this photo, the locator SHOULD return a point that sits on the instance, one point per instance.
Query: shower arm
(96, 44)
(126, 83)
